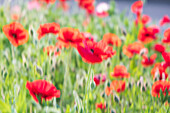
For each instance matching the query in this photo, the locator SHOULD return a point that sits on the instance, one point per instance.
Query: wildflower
(148, 61)
(102, 10)
(112, 39)
(101, 105)
(118, 86)
(43, 89)
(159, 47)
(164, 20)
(137, 7)
(97, 79)
(120, 71)
(166, 38)
(16, 33)
(48, 28)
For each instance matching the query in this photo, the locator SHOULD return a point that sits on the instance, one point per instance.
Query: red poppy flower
(95, 52)
(16, 33)
(166, 56)
(160, 69)
(147, 35)
(120, 71)
(87, 5)
(160, 85)
(145, 19)
(43, 89)
(48, 28)
(101, 105)
(118, 86)
(159, 47)
(88, 36)
(134, 48)
(48, 1)
(148, 61)
(70, 36)
(112, 39)
(137, 7)
(166, 38)
(97, 79)
(102, 10)
(164, 20)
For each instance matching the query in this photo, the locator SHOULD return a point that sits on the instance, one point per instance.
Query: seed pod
(39, 70)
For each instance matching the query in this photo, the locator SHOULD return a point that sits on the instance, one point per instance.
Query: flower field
(86, 58)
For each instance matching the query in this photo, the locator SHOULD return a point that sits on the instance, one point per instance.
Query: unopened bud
(92, 85)
(116, 98)
(113, 111)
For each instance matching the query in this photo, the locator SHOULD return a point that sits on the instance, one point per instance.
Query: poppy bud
(113, 111)
(143, 88)
(130, 85)
(146, 84)
(39, 70)
(124, 32)
(103, 95)
(108, 84)
(139, 83)
(81, 110)
(116, 98)
(92, 85)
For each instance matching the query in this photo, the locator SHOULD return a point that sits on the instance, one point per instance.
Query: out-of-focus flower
(134, 48)
(159, 69)
(137, 7)
(70, 37)
(120, 71)
(118, 86)
(51, 49)
(15, 12)
(164, 20)
(166, 56)
(88, 36)
(166, 38)
(47, 1)
(97, 79)
(148, 34)
(33, 5)
(102, 10)
(43, 89)
(95, 52)
(47, 28)
(160, 85)
(144, 20)
(148, 61)
(159, 47)
(16, 33)
(88, 5)
(101, 105)
(63, 5)
(112, 39)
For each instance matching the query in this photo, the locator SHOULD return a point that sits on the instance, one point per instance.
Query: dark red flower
(101, 105)
(134, 48)
(97, 79)
(148, 34)
(120, 71)
(164, 20)
(16, 33)
(166, 38)
(160, 85)
(137, 7)
(95, 52)
(43, 89)
(148, 61)
(44, 29)
(159, 47)
(112, 39)
(118, 86)
(70, 36)
(160, 69)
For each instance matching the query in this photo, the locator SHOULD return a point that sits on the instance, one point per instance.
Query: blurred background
(154, 8)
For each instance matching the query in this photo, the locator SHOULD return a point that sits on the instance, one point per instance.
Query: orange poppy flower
(101, 105)
(112, 39)
(147, 35)
(43, 89)
(88, 5)
(166, 38)
(108, 90)
(137, 7)
(160, 85)
(47, 1)
(48, 28)
(118, 86)
(134, 48)
(145, 19)
(148, 61)
(159, 47)
(161, 69)
(70, 36)
(95, 52)
(120, 71)
(50, 49)
(164, 20)
(16, 33)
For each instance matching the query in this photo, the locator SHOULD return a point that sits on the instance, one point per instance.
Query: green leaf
(4, 108)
